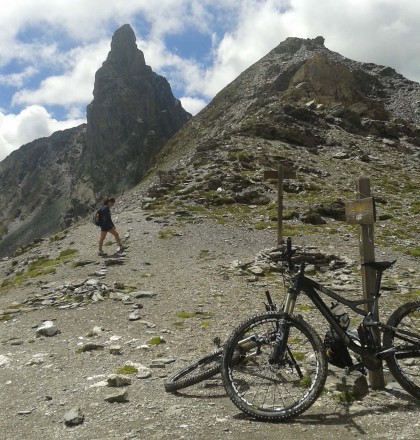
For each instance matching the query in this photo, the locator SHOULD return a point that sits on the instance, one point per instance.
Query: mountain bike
(274, 365)
(207, 366)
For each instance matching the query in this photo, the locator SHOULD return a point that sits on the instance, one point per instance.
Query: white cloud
(18, 79)
(192, 105)
(75, 86)
(31, 123)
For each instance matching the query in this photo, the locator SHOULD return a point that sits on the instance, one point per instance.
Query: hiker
(107, 225)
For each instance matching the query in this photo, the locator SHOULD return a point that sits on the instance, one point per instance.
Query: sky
(51, 49)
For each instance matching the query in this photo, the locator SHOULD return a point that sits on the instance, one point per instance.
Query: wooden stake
(367, 255)
(280, 176)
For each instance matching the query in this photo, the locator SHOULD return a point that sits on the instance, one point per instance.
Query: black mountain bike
(274, 365)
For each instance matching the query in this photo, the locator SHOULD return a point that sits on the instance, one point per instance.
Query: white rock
(4, 360)
(48, 328)
(92, 282)
(142, 294)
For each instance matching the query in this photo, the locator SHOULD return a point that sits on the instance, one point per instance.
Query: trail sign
(361, 212)
(283, 172)
(288, 173)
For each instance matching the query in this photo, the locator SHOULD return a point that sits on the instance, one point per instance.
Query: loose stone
(74, 417)
(48, 328)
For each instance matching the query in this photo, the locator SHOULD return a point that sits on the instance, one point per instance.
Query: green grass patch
(262, 224)
(298, 355)
(415, 252)
(186, 315)
(166, 233)
(305, 382)
(5, 317)
(127, 369)
(67, 253)
(304, 307)
(155, 340)
(39, 267)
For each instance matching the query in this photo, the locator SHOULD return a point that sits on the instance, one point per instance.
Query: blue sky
(51, 49)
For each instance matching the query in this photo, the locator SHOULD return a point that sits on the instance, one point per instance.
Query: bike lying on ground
(274, 365)
(205, 367)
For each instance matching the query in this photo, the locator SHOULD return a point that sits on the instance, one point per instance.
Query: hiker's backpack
(97, 217)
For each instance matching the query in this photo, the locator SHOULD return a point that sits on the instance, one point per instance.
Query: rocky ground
(182, 282)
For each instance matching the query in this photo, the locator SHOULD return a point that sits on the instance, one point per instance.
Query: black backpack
(97, 217)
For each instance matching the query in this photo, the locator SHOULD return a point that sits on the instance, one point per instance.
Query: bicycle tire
(405, 368)
(200, 370)
(239, 379)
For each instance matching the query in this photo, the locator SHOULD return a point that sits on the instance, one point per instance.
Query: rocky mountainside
(329, 117)
(51, 182)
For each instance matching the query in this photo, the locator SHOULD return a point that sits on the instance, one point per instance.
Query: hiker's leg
(102, 239)
(114, 232)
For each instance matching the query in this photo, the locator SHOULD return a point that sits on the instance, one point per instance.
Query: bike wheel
(405, 363)
(203, 369)
(273, 392)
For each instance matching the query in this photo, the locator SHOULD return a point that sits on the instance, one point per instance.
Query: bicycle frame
(311, 288)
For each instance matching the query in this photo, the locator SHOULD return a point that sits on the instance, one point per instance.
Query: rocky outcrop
(40, 190)
(304, 106)
(52, 182)
(132, 115)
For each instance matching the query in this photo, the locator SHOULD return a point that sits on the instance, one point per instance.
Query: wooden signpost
(283, 172)
(362, 212)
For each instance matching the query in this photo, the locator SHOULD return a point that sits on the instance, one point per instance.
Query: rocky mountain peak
(132, 115)
(124, 54)
(292, 45)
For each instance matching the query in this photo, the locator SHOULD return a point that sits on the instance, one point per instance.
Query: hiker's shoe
(101, 253)
(121, 249)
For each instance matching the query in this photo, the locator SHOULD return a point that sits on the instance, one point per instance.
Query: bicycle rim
(405, 363)
(274, 392)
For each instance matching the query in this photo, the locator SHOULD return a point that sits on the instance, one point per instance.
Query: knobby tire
(202, 369)
(253, 384)
(405, 366)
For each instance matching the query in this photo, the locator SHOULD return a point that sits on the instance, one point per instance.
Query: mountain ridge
(124, 130)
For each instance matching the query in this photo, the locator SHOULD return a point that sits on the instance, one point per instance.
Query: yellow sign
(361, 212)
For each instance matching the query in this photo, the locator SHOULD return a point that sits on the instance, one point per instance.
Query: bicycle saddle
(379, 265)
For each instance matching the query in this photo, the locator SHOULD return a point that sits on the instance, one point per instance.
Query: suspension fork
(282, 331)
(280, 344)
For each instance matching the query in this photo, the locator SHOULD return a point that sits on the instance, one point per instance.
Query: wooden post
(367, 255)
(282, 172)
(280, 176)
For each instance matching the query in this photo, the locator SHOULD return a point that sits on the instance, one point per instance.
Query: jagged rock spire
(132, 115)
(124, 53)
